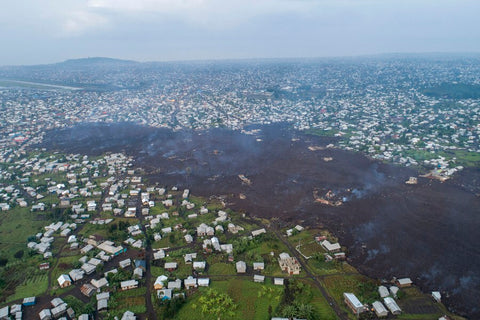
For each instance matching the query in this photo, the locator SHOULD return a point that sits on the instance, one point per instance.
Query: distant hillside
(96, 61)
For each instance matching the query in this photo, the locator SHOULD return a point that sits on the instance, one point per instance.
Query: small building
(64, 281)
(160, 282)
(393, 291)
(383, 291)
(190, 282)
(4, 312)
(241, 267)
(103, 295)
(379, 309)
(331, 247)
(392, 306)
(142, 264)
(125, 263)
(160, 254)
(199, 265)
(71, 313)
(76, 274)
(170, 266)
(138, 273)
(59, 310)
(44, 266)
(177, 284)
(258, 266)
(164, 294)
(203, 282)
(188, 238)
(353, 303)
(45, 314)
(258, 232)
(404, 282)
(100, 283)
(437, 296)
(102, 305)
(30, 301)
(56, 302)
(128, 315)
(278, 281)
(258, 278)
(88, 290)
(88, 268)
(129, 284)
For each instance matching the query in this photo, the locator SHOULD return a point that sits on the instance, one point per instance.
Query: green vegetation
(217, 304)
(453, 91)
(252, 300)
(16, 226)
(33, 286)
(79, 306)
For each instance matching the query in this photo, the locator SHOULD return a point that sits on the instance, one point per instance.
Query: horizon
(166, 30)
(360, 56)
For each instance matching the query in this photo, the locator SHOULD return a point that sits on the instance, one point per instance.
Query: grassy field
(34, 286)
(16, 225)
(336, 285)
(221, 268)
(251, 298)
(323, 309)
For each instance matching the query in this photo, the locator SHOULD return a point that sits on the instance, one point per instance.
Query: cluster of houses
(388, 295)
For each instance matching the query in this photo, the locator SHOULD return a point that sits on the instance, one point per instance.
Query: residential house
(129, 284)
(64, 281)
(383, 291)
(160, 282)
(258, 266)
(45, 314)
(379, 309)
(331, 247)
(190, 283)
(199, 265)
(392, 306)
(258, 232)
(170, 266)
(203, 282)
(353, 303)
(404, 282)
(241, 267)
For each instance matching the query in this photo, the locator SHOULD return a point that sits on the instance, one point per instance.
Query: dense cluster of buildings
(375, 106)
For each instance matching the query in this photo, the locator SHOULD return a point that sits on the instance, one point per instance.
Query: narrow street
(148, 274)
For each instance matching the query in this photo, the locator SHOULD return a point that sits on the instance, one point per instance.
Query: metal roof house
(353, 303)
(392, 306)
(379, 309)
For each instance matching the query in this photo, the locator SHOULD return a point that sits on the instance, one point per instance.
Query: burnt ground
(427, 231)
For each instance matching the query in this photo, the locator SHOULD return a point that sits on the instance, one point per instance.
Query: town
(87, 237)
(395, 110)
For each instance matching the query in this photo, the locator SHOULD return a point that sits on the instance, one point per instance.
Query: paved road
(340, 313)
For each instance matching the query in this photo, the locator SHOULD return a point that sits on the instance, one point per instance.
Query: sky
(49, 31)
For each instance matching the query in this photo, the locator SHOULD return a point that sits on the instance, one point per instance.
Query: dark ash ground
(428, 232)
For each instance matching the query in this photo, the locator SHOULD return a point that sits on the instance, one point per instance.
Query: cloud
(146, 5)
(78, 22)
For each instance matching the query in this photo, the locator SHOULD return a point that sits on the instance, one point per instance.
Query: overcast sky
(46, 31)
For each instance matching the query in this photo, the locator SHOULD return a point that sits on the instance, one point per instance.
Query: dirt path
(151, 315)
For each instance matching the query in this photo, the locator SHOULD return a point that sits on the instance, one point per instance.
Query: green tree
(217, 304)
